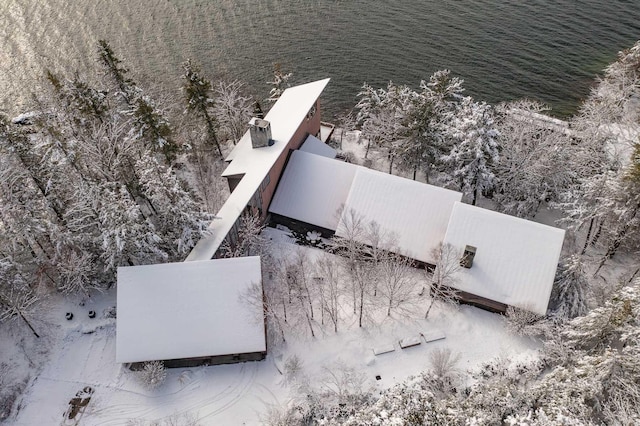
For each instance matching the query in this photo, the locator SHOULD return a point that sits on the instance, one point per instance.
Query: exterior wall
(207, 360)
(299, 226)
(307, 127)
(233, 181)
(480, 302)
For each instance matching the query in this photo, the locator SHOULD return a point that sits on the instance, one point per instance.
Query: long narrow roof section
(285, 117)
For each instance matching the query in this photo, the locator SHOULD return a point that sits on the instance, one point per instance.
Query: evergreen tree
(180, 221)
(125, 87)
(154, 128)
(472, 159)
(197, 90)
(569, 295)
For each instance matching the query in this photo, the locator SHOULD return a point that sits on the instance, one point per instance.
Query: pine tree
(569, 295)
(179, 220)
(472, 159)
(154, 128)
(197, 90)
(126, 87)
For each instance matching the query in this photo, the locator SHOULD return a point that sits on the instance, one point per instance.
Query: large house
(281, 171)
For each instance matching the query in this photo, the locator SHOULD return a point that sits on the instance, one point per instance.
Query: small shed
(514, 261)
(190, 313)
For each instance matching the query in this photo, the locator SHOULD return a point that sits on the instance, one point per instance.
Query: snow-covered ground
(74, 354)
(83, 354)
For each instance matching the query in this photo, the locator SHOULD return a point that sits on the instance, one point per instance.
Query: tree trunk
(28, 324)
(212, 131)
(617, 241)
(596, 236)
(361, 306)
(433, 299)
(586, 240)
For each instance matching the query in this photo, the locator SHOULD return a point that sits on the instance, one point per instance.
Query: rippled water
(544, 49)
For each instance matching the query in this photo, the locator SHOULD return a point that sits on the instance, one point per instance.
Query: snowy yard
(84, 355)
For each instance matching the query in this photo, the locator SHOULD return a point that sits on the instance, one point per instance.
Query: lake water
(549, 50)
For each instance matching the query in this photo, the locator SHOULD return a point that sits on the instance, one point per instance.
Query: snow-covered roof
(312, 189)
(285, 117)
(187, 310)
(416, 214)
(516, 259)
(314, 145)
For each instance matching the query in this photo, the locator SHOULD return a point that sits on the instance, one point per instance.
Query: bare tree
(17, 300)
(329, 288)
(297, 276)
(444, 370)
(443, 276)
(268, 300)
(232, 108)
(397, 282)
(350, 247)
(250, 242)
(280, 82)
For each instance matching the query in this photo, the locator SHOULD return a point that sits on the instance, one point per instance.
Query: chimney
(260, 133)
(467, 257)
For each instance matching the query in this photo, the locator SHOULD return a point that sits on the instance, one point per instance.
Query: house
(515, 259)
(257, 162)
(509, 261)
(320, 193)
(190, 313)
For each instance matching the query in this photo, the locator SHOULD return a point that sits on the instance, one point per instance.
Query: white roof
(515, 261)
(314, 145)
(313, 189)
(285, 117)
(416, 214)
(188, 309)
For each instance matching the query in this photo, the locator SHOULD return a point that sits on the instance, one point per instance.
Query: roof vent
(260, 133)
(467, 257)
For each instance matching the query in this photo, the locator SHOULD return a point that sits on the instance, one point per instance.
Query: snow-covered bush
(523, 322)
(292, 369)
(152, 375)
(444, 374)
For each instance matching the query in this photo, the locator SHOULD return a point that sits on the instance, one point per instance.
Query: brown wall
(206, 360)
